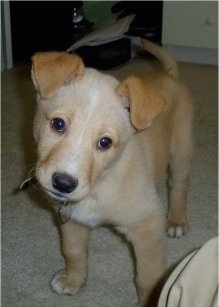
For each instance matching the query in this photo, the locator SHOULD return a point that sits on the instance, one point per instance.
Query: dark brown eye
(58, 124)
(104, 143)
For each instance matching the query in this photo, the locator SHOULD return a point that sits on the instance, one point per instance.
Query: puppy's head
(82, 123)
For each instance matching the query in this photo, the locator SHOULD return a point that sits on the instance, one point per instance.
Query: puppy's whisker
(32, 171)
(30, 181)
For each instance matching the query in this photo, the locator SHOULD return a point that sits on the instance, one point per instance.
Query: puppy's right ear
(50, 70)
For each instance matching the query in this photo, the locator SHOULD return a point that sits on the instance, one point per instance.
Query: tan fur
(47, 79)
(118, 185)
(145, 103)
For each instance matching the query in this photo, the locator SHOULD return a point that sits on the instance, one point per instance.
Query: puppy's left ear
(145, 102)
(50, 70)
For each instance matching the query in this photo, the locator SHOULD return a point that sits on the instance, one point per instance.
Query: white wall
(6, 44)
(190, 30)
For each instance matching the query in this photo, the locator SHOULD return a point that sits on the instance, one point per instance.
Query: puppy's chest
(84, 213)
(96, 209)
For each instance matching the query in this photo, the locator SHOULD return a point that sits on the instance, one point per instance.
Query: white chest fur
(84, 212)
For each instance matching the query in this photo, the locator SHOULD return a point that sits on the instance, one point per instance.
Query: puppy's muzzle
(64, 183)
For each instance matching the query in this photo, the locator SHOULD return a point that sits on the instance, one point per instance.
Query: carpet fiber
(30, 239)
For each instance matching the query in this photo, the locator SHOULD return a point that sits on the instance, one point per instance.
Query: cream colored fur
(117, 185)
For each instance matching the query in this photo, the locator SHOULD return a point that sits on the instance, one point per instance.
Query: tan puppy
(102, 146)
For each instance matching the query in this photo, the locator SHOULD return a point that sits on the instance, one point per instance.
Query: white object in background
(109, 33)
(6, 45)
(190, 30)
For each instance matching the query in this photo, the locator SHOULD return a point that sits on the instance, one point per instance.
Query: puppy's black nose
(64, 183)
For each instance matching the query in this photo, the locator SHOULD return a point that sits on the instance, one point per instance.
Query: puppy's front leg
(75, 249)
(147, 239)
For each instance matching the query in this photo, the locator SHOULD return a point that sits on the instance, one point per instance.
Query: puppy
(102, 147)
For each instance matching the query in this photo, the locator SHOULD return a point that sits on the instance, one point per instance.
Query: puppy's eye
(104, 143)
(58, 124)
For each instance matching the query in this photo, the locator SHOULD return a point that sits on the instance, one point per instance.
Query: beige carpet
(30, 240)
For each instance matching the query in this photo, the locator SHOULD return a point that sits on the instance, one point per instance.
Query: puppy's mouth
(59, 197)
(62, 203)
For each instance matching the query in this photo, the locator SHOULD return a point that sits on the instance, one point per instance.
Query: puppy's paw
(176, 230)
(64, 283)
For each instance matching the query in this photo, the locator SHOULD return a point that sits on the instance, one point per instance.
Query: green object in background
(99, 12)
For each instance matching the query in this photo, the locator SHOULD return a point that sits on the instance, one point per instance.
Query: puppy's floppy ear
(145, 101)
(51, 69)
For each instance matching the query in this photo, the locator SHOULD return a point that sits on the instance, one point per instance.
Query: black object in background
(147, 23)
(148, 19)
(106, 56)
(48, 25)
(43, 26)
